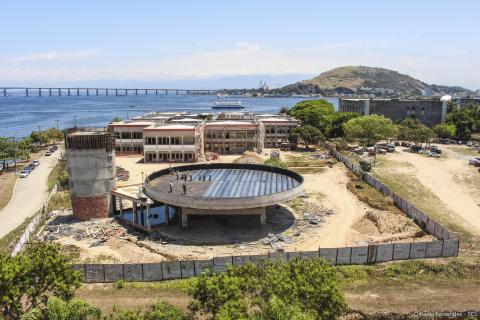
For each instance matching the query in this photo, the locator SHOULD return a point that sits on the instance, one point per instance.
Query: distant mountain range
(369, 80)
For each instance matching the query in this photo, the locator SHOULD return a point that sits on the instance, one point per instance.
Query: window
(137, 135)
(175, 140)
(188, 140)
(117, 135)
(126, 135)
(150, 140)
(163, 140)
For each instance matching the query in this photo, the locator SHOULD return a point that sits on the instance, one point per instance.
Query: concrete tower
(91, 166)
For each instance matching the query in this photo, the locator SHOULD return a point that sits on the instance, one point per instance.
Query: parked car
(24, 174)
(416, 148)
(48, 153)
(389, 147)
(474, 161)
(434, 154)
(31, 167)
(36, 163)
(435, 149)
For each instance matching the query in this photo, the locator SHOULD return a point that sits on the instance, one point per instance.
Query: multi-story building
(429, 111)
(174, 142)
(129, 136)
(277, 130)
(234, 136)
(163, 137)
(466, 102)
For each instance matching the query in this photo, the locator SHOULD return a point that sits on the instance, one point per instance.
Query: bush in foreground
(272, 290)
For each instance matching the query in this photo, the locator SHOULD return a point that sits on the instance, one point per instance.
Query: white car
(24, 174)
(474, 161)
(36, 163)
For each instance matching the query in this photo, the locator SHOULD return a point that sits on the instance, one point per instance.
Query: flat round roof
(223, 186)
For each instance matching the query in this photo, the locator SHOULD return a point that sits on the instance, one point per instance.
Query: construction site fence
(427, 224)
(38, 218)
(168, 270)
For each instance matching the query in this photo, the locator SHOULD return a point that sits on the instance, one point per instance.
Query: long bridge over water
(35, 91)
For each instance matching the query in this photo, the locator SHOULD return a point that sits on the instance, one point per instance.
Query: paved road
(29, 195)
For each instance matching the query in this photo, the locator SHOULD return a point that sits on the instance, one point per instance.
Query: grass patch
(60, 200)
(465, 151)
(307, 170)
(7, 183)
(408, 186)
(297, 204)
(58, 173)
(10, 240)
(369, 194)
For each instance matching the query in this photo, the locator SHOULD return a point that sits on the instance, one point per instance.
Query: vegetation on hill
(362, 79)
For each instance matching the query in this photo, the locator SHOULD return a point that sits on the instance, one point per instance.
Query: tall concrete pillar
(68, 91)
(39, 92)
(96, 92)
(106, 92)
(126, 92)
(263, 217)
(156, 92)
(146, 92)
(166, 92)
(78, 92)
(59, 92)
(26, 92)
(50, 92)
(4, 92)
(91, 165)
(149, 227)
(88, 92)
(136, 92)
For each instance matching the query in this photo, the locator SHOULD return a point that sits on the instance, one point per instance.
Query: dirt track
(456, 184)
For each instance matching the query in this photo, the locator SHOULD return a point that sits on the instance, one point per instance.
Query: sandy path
(348, 209)
(444, 177)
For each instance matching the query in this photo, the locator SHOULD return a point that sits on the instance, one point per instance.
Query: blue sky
(218, 44)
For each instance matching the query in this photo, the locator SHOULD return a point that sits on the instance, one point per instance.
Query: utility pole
(75, 121)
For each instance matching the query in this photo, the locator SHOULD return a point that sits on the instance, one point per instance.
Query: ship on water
(228, 105)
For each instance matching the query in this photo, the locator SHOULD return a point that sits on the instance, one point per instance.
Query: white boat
(227, 105)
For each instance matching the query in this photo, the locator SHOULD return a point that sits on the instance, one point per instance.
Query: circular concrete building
(228, 189)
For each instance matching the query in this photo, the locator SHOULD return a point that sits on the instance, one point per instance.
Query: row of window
(169, 141)
(128, 135)
(229, 135)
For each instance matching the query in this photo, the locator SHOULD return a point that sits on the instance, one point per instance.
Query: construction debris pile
(122, 174)
(99, 229)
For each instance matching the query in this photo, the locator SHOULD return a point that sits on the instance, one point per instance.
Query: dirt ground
(329, 215)
(455, 184)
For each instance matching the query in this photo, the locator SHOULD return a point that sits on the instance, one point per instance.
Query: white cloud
(53, 56)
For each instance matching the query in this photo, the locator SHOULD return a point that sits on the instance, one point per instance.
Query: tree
(415, 131)
(306, 134)
(466, 121)
(278, 290)
(284, 110)
(116, 119)
(337, 120)
(370, 129)
(316, 113)
(444, 131)
(31, 277)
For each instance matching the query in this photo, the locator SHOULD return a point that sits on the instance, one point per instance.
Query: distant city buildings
(429, 111)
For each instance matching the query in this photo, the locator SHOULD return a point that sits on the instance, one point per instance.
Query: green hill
(361, 79)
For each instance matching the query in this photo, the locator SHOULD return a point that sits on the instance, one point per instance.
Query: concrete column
(39, 92)
(366, 110)
(126, 92)
(121, 207)
(156, 92)
(149, 227)
(50, 92)
(59, 92)
(96, 92)
(4, 92)
(184, 220)
(106, 92)
(136, 92)
(78, 92)
(263, 217)
(88, 92)
(177, 92)
(146, 92)
(167, 213)
(26, 92)
(444, 111)
(68, 91)
(166, 92)
(116, 92)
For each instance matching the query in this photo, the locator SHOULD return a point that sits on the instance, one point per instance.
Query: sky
(226, 44)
